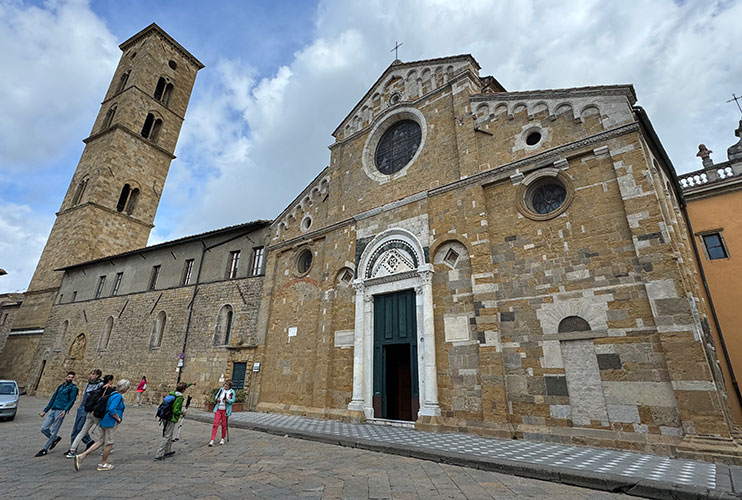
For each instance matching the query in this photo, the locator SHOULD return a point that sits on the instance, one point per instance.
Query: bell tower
(111, 202)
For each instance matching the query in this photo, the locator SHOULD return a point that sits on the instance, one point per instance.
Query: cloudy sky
(281, 75)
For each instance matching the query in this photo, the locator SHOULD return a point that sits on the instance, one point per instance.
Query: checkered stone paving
(636, 466)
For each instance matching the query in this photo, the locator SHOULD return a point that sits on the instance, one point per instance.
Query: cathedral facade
(512, 264)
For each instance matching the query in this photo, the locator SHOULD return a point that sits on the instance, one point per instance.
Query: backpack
(165, 410)
(101, 406)
(93, 398)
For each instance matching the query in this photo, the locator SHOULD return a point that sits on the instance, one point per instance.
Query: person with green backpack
(169, 412)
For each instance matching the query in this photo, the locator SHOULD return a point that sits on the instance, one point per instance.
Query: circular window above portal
(394, 144)
(306, 223)
(304, 261)
(533, 138)
(397, 146)
(172, 64)
(545, 194)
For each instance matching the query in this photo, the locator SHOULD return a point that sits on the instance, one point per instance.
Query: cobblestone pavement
(251, 465)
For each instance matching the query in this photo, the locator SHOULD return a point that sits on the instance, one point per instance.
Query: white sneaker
(221, 442)
(211, 443)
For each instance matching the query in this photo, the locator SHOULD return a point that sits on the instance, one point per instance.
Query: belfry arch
(393, 263)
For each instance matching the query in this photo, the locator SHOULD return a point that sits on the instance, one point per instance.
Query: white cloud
(54, 59)
(23, 237)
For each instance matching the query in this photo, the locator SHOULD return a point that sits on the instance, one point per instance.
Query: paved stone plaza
(252, 465)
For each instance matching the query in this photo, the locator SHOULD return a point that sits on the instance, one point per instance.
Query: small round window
(398, 146)
(306, 223)
(533, 138)
(172, 64)
(304, 262)
(547, 197)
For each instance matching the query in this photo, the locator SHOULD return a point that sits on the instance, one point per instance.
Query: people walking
(91, 421)
(141, 388)
(222, 410)
(94, 383)
(114, 414)
(60, 403)
(176, 410)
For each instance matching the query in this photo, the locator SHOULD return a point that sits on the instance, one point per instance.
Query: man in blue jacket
(58, 406)
(94, 383)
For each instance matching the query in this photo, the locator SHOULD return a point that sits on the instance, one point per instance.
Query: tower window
(133, 197)
(147, 127)
(172, 64)
(234, 264)
(159, 89)
(155, 130)
(168, 92)
(79, 191)
(117, 284)
(109, 117)
(99, 290)
(123, 80)
(122, 199)
(153, 278)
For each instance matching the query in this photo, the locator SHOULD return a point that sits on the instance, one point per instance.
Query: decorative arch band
(391, 245)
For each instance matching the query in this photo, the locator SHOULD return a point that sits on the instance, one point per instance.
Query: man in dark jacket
(58, 406)
(94, 383)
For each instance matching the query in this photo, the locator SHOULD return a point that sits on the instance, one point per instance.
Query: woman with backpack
(141, 388)
(91, 421)
(112, 417)
(222, 410)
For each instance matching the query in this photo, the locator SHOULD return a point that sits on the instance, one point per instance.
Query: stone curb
(660, 490)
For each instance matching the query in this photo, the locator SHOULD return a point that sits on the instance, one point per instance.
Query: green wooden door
(395, 337)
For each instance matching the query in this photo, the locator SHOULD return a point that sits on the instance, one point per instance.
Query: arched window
(109, 117)
(155, 130)
(167, 94)
(147, 127)
(573, 324)
(106, 335)
(158, 328)
(223, 325)
(122, 199)
(122, 81)
(133, 197)
(159, 89)
(79, 191)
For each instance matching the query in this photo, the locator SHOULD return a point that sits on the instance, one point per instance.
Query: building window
(99, 290)
(256, 268)
(117, 284)
(159, 89)
(153, 278)
(715, 247)
(155, 130)
(187, 272)
(106, 335)
(158, 329)
(147, 127)
(123, 198)
(167, 94)
(234, 263)
(122, 81)
(304, 262)
(79, 191)
(573, 324)
(74, 296)
(109, 117)
(223, 325)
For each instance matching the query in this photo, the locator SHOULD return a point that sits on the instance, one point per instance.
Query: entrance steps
(407, 424)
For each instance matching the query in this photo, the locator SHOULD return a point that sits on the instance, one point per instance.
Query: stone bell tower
(111, 202)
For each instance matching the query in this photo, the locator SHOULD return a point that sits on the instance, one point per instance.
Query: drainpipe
(204, 249)
(644, 120)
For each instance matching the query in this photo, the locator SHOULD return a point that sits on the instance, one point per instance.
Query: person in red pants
(222, 410)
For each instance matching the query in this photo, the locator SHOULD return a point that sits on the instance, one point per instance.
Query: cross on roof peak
(397, 45)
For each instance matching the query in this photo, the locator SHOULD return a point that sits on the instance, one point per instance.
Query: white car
(9, 396)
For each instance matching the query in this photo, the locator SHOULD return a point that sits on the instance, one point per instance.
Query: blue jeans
(78, 425)
(50, 427)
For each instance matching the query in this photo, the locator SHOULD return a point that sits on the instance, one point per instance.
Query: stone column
(430, 398)
(356, 404)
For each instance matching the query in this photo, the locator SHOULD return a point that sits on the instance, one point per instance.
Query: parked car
(9, 396)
